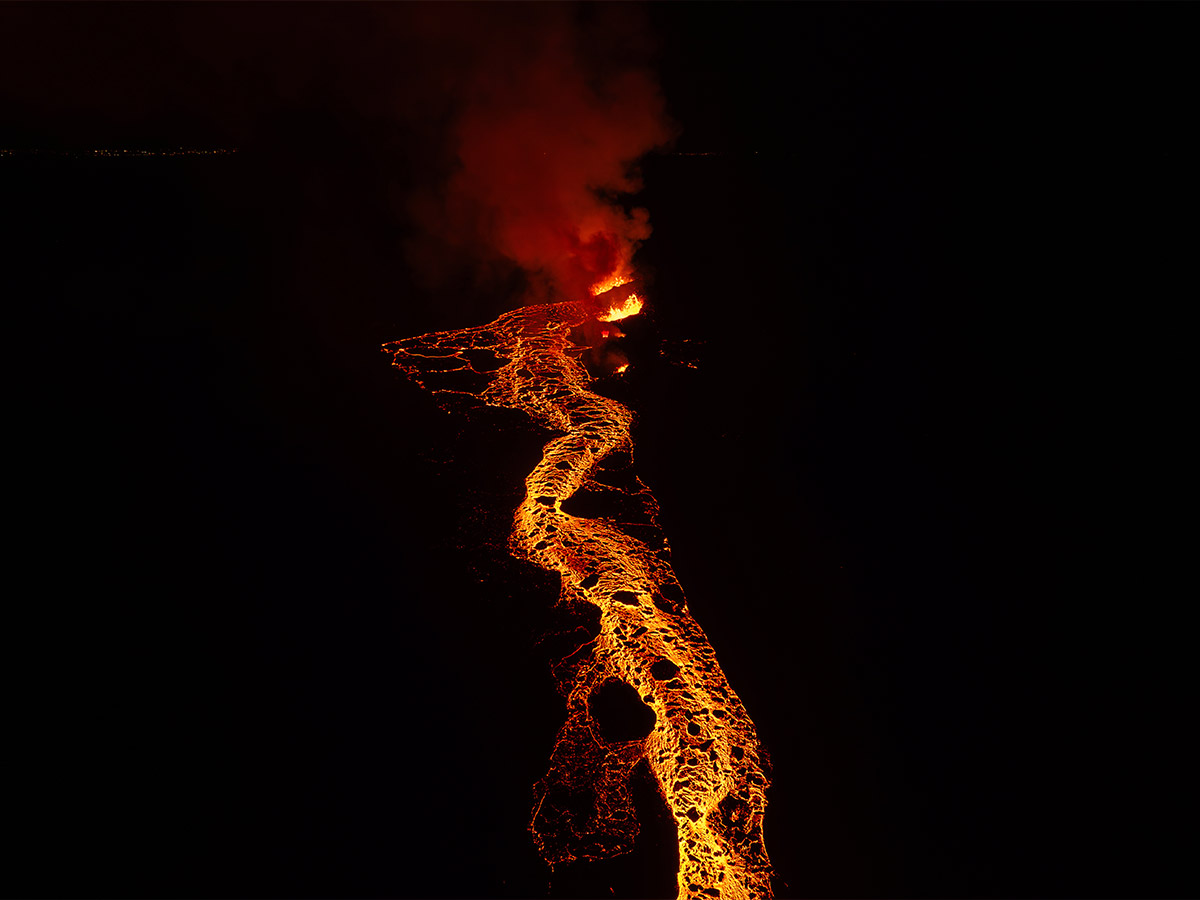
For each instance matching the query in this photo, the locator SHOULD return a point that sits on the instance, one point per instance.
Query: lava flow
(702, 746)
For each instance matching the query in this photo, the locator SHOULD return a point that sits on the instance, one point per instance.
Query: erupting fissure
(702, 746)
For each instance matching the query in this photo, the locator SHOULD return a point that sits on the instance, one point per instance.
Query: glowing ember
(621, 369)
(701, 744)
(630, 306)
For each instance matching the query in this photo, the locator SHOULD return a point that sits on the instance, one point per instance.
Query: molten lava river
(702, 746)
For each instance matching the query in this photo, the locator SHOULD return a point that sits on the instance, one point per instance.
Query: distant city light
(123, 152)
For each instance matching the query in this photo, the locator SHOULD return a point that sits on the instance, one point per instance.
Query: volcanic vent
(586, 516)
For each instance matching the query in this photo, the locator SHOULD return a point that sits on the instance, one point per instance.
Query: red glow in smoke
(545, 139)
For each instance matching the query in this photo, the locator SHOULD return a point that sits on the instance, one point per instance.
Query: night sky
(264, 639)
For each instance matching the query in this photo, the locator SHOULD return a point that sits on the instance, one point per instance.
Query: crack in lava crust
(702, 748)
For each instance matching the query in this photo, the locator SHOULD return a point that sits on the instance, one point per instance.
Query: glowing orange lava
(615, 280)
(702, 747)
(630, 306)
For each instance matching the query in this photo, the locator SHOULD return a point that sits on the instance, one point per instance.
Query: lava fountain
(702, 746)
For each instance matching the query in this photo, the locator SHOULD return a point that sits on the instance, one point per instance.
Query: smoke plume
(550, 113)
(504, 137)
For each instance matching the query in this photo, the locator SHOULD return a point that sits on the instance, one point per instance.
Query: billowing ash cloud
(550, 115)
